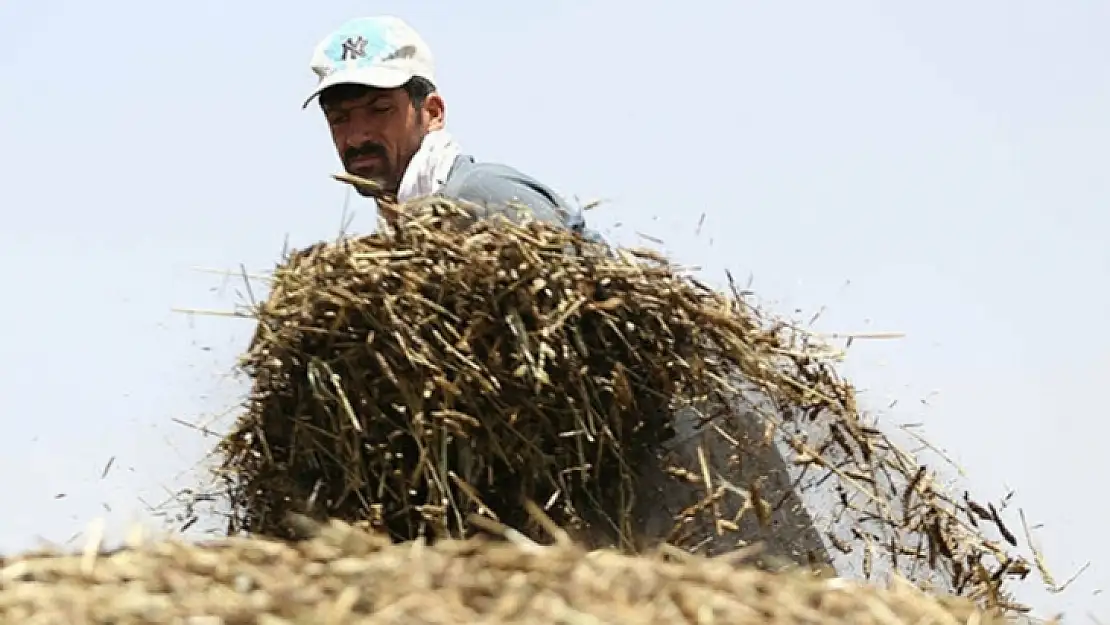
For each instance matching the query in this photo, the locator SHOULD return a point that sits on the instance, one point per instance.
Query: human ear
(435, 112)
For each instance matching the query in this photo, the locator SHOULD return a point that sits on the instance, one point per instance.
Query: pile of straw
(445, 368)
(344, 575)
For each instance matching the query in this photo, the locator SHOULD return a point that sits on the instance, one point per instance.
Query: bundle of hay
(445, 368)
(343, 575)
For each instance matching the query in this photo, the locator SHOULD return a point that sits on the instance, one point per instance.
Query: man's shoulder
(468, 166)
(497, 186)
(469, 174)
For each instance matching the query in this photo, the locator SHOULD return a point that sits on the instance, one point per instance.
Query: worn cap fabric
(382, 52)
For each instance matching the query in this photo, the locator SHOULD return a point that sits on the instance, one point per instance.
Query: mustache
(365, 149)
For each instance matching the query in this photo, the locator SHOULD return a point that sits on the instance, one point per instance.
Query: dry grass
(345, 575)
(449, 367)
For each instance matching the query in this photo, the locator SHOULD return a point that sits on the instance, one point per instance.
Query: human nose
(359, 135)
(361, 130)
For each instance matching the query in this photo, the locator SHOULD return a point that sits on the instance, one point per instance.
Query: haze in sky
(936, 169)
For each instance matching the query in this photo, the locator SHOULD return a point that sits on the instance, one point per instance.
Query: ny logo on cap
(354, 49)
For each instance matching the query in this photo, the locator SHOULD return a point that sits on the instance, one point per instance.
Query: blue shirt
(495, 188)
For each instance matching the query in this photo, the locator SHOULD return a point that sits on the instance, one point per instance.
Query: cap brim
(377, 77)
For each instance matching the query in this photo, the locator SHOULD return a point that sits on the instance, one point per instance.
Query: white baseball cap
(382, 52)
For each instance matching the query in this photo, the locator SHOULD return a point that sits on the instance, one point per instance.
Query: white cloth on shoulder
(428, 169)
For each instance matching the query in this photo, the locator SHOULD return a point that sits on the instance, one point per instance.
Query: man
(377, 89)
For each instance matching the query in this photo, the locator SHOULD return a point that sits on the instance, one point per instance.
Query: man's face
(377, 131)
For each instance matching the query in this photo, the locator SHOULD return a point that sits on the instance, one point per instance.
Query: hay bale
(446, 368)
(344, 575)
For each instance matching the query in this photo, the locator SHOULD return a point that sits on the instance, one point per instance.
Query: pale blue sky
(935, 169)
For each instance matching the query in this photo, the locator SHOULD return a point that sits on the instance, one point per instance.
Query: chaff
(447, 367)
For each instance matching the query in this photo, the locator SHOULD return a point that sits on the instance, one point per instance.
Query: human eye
(336, 117)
